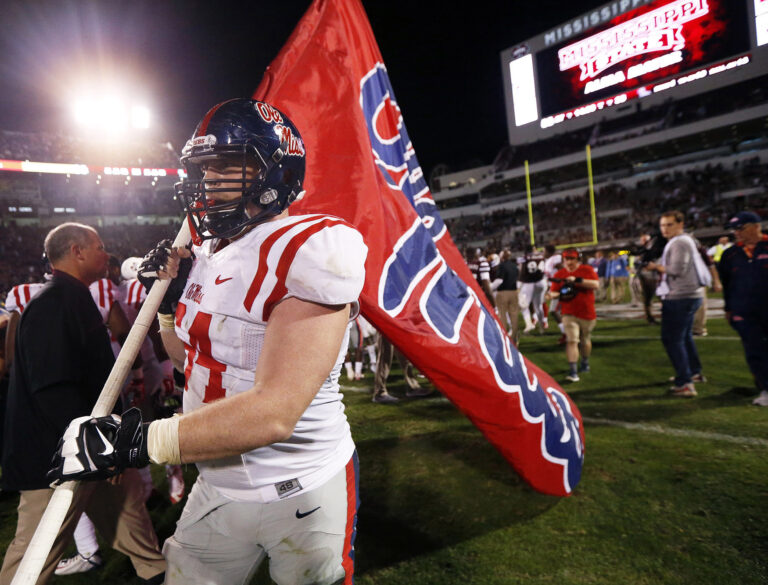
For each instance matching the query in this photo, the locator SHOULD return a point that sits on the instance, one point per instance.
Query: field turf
(674, 491)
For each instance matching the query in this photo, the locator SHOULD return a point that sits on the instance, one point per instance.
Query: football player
(532, 288)
(552, 263)
(481, 269)
(264, 299)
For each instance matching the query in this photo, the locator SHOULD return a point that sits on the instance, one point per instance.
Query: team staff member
(261, 328)
(743, 272)
(575, 285)
(62, 359)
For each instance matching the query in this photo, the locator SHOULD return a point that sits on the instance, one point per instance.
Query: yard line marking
(658, 337)
(646, 427)
(691, 434)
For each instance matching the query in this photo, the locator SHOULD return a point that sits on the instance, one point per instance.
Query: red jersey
(583, 304)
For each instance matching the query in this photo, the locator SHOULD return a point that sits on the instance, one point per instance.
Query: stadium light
(140, 117)
(110, 113)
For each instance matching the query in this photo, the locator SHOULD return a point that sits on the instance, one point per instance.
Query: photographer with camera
(575, 286)
(649, 249)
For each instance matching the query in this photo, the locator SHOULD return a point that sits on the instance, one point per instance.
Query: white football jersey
(221, 319)
(550, 265)
(131, 294)
(105, 294)
(20, 295)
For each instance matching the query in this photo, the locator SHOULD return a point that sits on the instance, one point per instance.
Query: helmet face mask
(245, 165)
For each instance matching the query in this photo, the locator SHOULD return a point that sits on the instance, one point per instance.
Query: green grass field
(674, 491)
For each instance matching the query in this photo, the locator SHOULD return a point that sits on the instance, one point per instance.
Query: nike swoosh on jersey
(220, 280)
(305, 514)
(108, 448)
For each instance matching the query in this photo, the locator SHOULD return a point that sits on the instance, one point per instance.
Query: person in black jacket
(62, 357)
(505, 285)
(743, 272)
(649, 249)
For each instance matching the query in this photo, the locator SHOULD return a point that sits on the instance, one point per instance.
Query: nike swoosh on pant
(305, 514)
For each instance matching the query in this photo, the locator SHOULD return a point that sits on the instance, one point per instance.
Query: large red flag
(331, 81)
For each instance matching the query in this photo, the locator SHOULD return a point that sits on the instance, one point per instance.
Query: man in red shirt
(575, 286)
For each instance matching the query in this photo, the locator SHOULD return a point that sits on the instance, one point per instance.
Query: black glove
(153, 262)
(97, 448)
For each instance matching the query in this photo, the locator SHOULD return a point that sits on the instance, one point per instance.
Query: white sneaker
(529, 328)
(176, 486)
(572, 377)
(762, 399)
(78, 564)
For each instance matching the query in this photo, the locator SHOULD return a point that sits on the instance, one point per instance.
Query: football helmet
(267, 148)
(130, 267)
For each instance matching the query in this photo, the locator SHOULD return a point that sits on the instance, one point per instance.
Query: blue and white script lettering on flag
(331, 80)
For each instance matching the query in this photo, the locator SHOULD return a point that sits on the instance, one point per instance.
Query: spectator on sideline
(62, 359)
(386, 350)
(648, 250)
(617, 273)
(683, 279)
(716, 251)
(700, 318)
(575, 285)
(505, 285)
(601, 267)
(743, 271)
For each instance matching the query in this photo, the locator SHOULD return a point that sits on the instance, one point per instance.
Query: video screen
(644, 46)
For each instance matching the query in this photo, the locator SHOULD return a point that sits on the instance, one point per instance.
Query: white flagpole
(40, 546)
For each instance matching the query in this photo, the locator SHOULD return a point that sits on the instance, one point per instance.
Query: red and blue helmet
(254, 135)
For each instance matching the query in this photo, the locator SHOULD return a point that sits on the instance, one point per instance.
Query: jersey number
(199, 352)
(533, 266)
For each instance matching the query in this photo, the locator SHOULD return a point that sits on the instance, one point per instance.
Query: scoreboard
(630, 51)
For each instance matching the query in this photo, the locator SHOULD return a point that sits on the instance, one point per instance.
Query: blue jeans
(677, 337)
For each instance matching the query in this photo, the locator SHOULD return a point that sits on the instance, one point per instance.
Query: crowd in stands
(568, 220)
(61, 148)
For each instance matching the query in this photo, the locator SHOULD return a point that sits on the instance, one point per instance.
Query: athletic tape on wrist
(166, 321)
(163, 440)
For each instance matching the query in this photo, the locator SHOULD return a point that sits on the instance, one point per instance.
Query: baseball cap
(570, 253)
(742, 218)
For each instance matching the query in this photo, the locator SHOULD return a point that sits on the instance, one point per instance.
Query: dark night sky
(186, 56)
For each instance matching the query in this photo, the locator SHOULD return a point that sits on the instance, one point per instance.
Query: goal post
(592, 211)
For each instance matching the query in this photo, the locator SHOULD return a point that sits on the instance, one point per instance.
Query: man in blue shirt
(743, 272)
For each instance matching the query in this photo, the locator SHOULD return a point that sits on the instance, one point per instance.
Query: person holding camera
(649, 249)
(575, 285)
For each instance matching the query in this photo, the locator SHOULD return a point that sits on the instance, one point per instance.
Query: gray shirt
(681, 275)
